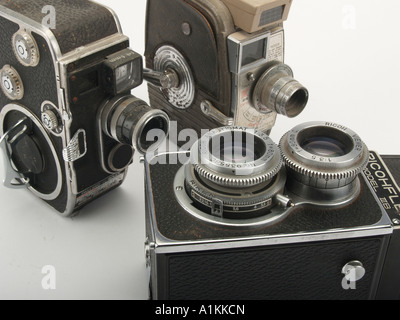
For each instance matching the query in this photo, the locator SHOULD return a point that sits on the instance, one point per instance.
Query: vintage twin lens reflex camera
(222, 63)
(68, 123)
(316, 218)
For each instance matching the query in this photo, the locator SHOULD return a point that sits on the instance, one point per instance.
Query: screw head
(186, 29)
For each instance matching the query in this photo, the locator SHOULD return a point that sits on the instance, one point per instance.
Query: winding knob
(50, 120)
(25, 49)
(11, 83)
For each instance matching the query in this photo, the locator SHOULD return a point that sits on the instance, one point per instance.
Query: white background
(347, 53)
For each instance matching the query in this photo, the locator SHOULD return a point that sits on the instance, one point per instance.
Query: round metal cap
(11, 83)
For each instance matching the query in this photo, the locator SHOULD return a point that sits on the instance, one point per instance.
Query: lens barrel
(235, 173)
(323, 161)
(130, 120)
(278, 91)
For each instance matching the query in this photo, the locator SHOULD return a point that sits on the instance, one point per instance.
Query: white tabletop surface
(346, 52)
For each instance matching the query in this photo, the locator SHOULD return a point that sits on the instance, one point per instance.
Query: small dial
(51, 118)
(11, 83)
(25, 49)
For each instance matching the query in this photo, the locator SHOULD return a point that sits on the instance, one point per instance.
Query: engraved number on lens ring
(14, 107)
(181, 97)
(51, 118)
(11, 83)
(25, 49)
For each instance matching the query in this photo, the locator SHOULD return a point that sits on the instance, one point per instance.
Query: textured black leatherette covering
(39, 85)
(393, 164)
(390, 282)
(291, 272)
(78, 22)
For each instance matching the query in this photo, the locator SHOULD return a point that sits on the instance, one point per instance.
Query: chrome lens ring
(253, 157)
(324, 155)
(277, 91)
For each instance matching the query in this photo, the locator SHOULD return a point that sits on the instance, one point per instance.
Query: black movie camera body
(68, 124)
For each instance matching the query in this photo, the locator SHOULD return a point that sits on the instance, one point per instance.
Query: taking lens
(237, 147)
(130, 120)
(235, 173)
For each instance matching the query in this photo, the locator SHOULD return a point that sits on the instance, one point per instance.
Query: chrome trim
(72, 152)
(238, 41)
(213, 113)
(91, 48)
(141, 125)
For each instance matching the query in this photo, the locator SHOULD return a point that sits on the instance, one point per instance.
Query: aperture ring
(246, 181)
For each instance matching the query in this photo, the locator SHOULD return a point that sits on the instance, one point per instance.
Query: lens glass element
(128, 76)
(325, 142)
(237, 147)
(324, 147)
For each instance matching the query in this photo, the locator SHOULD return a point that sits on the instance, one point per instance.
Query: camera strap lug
(76, 148)
(210, 111)
(13, 179)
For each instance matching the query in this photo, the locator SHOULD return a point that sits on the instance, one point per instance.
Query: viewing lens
(325, 142)
(323, 161)
(324, 147)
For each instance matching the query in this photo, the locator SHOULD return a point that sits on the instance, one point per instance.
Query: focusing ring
(264, 167)
(324, 171)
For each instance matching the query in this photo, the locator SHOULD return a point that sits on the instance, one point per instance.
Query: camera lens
(323, 161)
(235, 173)
(278, 91)
(131, 121)
(237, 150)
(324, 147)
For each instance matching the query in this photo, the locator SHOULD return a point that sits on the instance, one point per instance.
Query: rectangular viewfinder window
(253, 52)
(272, 15)
(128, 76)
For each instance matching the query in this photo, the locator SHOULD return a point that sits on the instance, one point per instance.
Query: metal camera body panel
(205, 44)
(84, 34)
(307, 254)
